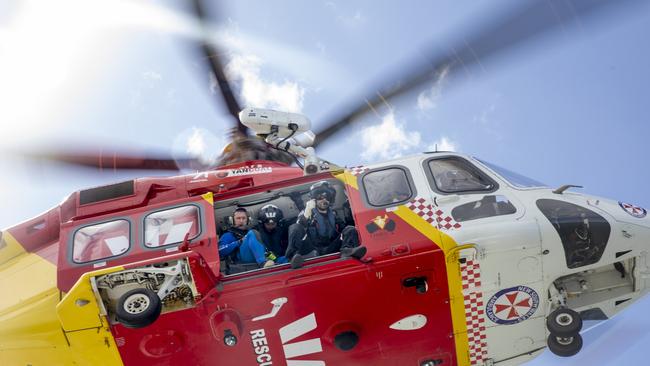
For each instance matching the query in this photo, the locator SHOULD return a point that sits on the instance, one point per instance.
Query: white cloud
(255, 91)
(443, 144)
(387, 140)
(152, 75)
(199, 142)
(428, 99)
(299, 64)
(195, 144)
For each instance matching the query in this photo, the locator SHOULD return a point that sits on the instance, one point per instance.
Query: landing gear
(138, 308)
(564, 346)
(564, 325)
(564, 322)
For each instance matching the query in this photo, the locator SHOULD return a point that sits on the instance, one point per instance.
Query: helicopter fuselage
(465, 261)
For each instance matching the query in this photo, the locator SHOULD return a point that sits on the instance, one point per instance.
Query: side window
(488, 206)
(105, 240)
(171, 226)
(386, 187)
(454, 175)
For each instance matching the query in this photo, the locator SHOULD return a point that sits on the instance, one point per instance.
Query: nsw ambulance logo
(512, 305)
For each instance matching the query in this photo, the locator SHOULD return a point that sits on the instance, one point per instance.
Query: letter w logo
(294, 330)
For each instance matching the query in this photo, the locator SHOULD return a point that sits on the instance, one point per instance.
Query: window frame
(199, 233)
(104, 259)
(364, 191)
(467, 164)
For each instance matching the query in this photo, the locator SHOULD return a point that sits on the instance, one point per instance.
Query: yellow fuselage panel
(27, 310)
(25, 278)
(31, 330)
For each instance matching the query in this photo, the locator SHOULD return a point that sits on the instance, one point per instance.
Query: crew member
(273, 231)
(318, 231)
(242, 244)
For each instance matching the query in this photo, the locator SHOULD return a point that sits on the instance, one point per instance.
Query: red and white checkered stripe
(357, 170)
(423, 209)
(474, 311)
(436, 217)
(445, 221)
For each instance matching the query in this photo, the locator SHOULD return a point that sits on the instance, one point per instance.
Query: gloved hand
(309, 206)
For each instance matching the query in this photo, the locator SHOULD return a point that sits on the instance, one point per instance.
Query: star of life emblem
(636, 211)
(512, 305)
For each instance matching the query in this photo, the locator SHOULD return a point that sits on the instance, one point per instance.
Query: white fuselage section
(532, 251)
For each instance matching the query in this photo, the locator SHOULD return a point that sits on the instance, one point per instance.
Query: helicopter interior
(291, 200)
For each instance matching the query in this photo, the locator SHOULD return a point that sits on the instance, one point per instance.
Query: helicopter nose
(630, 236)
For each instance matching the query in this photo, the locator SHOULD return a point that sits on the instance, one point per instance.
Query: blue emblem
(512, 305)
(636, 211)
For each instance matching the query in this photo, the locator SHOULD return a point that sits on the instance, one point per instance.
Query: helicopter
(435, 251)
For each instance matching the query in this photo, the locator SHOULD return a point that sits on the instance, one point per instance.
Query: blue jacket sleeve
(227, 244)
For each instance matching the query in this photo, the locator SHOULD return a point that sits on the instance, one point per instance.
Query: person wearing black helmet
(273, 230)
(318, 231)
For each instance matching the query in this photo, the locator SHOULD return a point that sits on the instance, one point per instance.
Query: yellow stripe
(347, 178)
(454, 279)
(87, 330)
(208, 197)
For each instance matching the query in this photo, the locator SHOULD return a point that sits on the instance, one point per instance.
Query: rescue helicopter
(463, 262)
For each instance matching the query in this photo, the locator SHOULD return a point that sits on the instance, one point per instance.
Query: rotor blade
(112, 160)
(524, 24)
(216, 67)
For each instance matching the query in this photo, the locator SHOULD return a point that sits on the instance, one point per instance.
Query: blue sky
(568, 109)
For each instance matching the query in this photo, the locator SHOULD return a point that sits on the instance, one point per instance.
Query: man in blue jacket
(242, 244)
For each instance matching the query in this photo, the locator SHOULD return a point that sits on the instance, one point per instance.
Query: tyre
(564, 347)
(564, 322)
(138, 308)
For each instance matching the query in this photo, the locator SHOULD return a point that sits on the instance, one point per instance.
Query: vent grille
(105, 193)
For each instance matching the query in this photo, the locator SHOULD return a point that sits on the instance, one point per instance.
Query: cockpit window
(513, 178)
(386, 187)
(584, 233)
(105, 240)
(455, 175)
(171, 226)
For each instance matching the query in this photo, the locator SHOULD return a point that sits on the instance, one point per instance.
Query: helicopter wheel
(564, 346)
(138, 308)
(564, 322)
